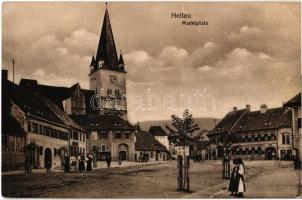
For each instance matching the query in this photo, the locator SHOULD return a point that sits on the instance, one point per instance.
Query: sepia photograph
(151, 99)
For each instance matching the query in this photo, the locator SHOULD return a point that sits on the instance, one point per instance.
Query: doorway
(270, 153)
(47, 156)
(123, 152)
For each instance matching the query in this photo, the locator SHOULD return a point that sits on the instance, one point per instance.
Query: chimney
(263, 108)
(248, 107)
(4, 74)
(235, 108)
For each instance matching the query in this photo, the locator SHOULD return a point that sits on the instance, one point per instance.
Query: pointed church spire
(121, 60)
(106, 51)
(92, 60)
(121, 63)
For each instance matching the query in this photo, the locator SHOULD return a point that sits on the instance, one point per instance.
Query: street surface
(263, 179)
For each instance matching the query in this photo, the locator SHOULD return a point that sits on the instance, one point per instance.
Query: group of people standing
(237, 185)
(79, 163)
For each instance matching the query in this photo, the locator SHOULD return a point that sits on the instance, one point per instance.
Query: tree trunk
(188, 176)
(184, 173)
(179, 178)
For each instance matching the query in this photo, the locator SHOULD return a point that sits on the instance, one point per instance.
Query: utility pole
(13, 70)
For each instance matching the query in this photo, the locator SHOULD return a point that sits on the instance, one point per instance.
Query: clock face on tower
(113, 78)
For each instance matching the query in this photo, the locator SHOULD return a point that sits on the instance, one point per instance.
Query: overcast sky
(249, 53)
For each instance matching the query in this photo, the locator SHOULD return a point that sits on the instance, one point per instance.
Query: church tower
(107, 72)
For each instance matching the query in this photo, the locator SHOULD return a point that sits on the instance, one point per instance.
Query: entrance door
(270, 153)
(47, 156)
(123, 155)
(123, 151)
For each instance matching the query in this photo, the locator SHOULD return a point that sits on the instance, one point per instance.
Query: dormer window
(101, 64)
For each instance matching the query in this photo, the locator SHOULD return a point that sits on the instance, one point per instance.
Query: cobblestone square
(263, 179)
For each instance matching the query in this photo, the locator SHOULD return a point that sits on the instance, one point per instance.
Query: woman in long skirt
(89, 166)
(240, 174)
(232, 185)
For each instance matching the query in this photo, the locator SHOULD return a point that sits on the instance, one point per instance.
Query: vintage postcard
(151, 100)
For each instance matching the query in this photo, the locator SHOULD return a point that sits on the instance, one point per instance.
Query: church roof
(106, 48)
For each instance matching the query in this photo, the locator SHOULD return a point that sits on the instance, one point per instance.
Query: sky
(249, 53)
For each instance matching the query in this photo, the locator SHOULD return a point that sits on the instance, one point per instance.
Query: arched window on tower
(101, 64)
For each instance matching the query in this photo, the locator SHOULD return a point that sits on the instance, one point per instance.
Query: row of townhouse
(261, 134)
(34, 128)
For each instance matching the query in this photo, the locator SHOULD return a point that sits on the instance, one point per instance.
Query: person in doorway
(240, 178)
(119, 160)
(232, 185)
(108, 160)
(48, 165)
